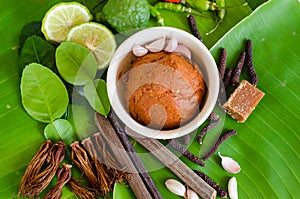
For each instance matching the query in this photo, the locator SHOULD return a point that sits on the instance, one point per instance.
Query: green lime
(61, 18)
(97, 38)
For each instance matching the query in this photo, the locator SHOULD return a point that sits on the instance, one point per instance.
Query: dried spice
(134, 157)
(224, 137)
(238, 69)
(220, 192)
(106, 173)
(186, 139)
(249, 63)
(82, 161)
(227, 78)
(41, 169)
(63, 176)
(174, 144)
(33, 168)
(206, 128)
(229, 164)
(222, 63)
(100, 170)
(193, 27)
(80, 191)
(213, 116)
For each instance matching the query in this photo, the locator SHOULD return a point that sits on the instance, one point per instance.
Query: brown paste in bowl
(164, 90)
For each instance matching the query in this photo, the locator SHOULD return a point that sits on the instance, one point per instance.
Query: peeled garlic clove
(156, 46)
(229, 164)
(139, 50)
(190, 194)
(232, 188)
(184, 51)
(171, 45)
(175, 187)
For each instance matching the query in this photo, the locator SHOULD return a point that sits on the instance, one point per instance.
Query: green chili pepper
(221, 12)
(176, 8)
(202, 4)
(155, 13)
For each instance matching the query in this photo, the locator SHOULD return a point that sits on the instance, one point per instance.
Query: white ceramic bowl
(200, 55)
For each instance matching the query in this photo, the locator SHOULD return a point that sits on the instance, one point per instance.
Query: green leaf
(82, 119)
(76, 64)
(44, 96)
(121, 191)
(30, 29)
(60, 129)
(96, 94)
(37, 50)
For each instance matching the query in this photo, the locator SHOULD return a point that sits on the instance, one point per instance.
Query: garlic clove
(156, 46)
(229, 164)
(232, 188)
(171, 44)
(184, 51)
(190, 194)
(139, 50)
(175, 187)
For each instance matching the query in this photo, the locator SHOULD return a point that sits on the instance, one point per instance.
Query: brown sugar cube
(243, 101)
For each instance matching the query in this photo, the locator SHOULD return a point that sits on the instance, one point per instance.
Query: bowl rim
(112, 75)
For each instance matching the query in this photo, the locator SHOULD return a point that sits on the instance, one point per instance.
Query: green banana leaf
(266, 146)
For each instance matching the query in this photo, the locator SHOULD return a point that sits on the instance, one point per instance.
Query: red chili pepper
(173, 1)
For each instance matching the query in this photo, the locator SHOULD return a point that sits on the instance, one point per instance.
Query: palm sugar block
(243, 101)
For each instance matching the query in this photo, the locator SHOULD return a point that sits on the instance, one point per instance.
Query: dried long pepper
(224, 137)
(193, 27)
(220, 192)
(206, 128)
(174, 144)
(238, 69)
(249, 63)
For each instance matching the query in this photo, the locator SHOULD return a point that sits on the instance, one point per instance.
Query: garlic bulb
(156, 46)
(175, 187)
(232, 188)
(139, 50)
(229, 164)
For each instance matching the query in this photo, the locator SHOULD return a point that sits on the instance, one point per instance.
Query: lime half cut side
(97, 38)
(61, 18)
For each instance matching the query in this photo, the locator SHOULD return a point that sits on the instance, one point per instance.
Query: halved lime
(61, 18)
(97, 38)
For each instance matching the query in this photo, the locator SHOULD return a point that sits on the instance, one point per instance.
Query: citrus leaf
(82, 119)
(121, 191)
(96, 94)
(76, 64)
(44, 96)
(37, 50)
(60, 129)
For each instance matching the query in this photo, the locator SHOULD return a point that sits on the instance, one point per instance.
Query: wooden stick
(133, 156)
(175, 165)
(134, 179)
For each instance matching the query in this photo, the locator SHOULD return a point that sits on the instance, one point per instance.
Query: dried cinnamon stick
(175, 165)
(134, 179)
(133, 156)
